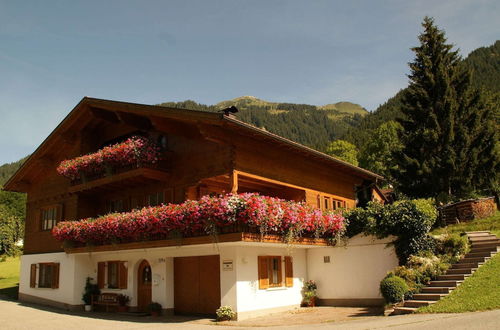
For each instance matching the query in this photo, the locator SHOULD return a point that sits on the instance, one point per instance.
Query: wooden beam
(221, 238)
(233, 181)
(105, 115)
(139, 122)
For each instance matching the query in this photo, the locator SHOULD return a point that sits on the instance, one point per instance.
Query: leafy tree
(343, 150)
(377, 154)
(11, 231)
(447, 136)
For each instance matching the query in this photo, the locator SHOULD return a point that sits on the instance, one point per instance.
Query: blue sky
(52, 53)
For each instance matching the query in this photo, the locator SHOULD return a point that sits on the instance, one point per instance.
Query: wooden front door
(196, 285)
(144, 279)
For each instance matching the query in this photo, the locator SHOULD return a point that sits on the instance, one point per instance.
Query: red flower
(209, 214)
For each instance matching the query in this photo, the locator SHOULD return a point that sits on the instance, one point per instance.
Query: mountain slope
(314, 126)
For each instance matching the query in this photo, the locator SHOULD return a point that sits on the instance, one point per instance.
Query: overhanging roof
(84, 109)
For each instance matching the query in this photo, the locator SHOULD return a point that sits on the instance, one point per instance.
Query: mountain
(6, 170)
(245, 102)
(311, 125)
(485, 65)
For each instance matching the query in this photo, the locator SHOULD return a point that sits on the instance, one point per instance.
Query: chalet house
(201, 154)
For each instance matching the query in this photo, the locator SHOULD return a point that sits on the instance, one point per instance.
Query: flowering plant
(133, 151)
(205, 216)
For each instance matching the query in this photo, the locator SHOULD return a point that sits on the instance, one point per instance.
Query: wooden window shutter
(33, 276)
(101, 273)
(55, 275)
(263, 273)
(288, 272)
(123, 275)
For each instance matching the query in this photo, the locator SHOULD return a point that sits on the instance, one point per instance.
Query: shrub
(393, 289)
(452, 247)
(225, 313)
(408, 220)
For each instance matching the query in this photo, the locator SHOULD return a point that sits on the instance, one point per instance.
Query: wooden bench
(105, 299)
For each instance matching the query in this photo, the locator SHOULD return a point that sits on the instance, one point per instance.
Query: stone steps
(437, 289)
(460, 271)
(483, 246)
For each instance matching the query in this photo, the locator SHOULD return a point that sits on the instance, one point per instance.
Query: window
(327, 203)
(338, 204)
(270, 271)
(112, 274)
(156, 198)
(48, 275)
(115, 206)
(49, 216)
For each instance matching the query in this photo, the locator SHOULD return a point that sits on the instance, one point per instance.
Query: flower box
(134, 152)
(208, 216)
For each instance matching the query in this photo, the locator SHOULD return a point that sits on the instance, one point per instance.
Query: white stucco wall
(249, 297)
(354, 271)
(65, 293)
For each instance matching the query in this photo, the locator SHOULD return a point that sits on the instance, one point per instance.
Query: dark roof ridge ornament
(229, 111)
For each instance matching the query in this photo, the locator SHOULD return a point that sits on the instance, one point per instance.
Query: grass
(477, 293)
(480, 291)
(9, 277)
(491, 224)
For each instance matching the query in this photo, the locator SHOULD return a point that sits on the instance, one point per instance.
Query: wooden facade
(205, 153)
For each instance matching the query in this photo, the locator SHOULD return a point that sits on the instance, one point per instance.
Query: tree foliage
(449, 141)
(343, 150)
(377, 154)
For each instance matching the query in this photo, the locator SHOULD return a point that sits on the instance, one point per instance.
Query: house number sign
(227, 265)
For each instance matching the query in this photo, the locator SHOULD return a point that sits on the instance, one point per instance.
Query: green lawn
(477, 293)
(9, 277)
(491, 224)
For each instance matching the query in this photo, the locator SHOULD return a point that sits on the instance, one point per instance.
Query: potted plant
(89, 290)
(309, 293)
(123, 301)
(154, 308)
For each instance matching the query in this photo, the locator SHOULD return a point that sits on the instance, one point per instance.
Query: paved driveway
(14, 315)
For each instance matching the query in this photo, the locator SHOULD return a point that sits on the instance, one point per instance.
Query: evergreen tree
(448, 145)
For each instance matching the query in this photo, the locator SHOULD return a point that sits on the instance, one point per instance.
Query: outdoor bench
(105, 299)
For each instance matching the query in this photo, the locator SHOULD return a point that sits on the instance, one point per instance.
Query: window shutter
(55, 276)
(288, 272)
(33, 276)
(123, 275)
(263, 273)
(101, 273)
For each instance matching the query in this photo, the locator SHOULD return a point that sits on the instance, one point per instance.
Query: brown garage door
(196, 285)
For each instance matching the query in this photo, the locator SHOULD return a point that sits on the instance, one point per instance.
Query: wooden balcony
(122, 178)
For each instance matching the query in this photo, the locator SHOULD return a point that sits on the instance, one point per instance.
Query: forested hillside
(311, 125)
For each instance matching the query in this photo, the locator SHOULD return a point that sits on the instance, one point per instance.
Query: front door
(144, 278)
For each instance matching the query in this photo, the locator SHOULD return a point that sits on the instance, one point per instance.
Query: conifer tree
(449, 146)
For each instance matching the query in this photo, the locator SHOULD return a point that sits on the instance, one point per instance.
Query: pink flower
(209, 214)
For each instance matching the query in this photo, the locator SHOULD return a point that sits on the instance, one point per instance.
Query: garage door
(196, 285)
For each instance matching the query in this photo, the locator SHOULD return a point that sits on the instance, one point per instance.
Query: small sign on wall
(227, 265)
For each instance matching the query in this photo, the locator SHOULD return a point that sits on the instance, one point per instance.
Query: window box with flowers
(134, 152)
(208, 216)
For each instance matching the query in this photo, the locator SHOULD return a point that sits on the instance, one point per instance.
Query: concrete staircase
(483, 246)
